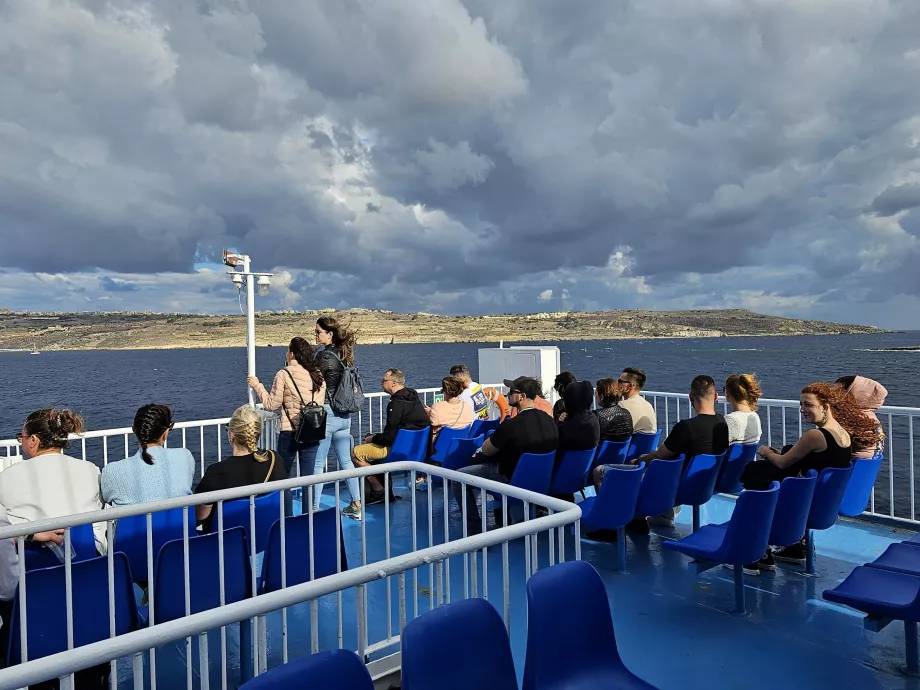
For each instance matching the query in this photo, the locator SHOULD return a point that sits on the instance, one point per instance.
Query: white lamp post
(242, 261)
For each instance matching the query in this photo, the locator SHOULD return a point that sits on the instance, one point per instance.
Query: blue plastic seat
(131, 537)
(859, 488)
(483, 427)
(444, 440)
(642, 443)
(297, 548)
(737, 458)
(698, 483)
(902, 558)
(571, 644)
(614, 506)
(459, 646)
(884, 595)
(658, 490)
(534, 472)
(46, 606)
(792, 508)
(84, 546)
(572, 472)
(461, 452)
(610, 453)
(333, 670)
(410, 445)
(236, 514)
(743, 539)
(825, 506)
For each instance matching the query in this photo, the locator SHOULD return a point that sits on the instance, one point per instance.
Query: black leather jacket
(331, 367)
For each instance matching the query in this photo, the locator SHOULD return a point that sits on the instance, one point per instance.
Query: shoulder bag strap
(271, 468)
(302, 403)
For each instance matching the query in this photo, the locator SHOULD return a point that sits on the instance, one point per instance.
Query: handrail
(72, 660)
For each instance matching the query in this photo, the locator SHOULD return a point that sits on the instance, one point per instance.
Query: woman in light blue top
(153, 473)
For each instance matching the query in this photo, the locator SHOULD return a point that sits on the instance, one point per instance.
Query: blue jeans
(338, 435)
(290, 450)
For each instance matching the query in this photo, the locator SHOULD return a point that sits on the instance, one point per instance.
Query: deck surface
(676, 629)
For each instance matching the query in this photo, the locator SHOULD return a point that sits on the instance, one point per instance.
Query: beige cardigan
(283, 393)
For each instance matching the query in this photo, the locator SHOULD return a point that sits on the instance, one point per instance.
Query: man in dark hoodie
(580, 429)
(404, 411)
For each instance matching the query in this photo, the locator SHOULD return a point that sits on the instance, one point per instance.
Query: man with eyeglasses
(404, 411)
(643, 414)
(530, 431)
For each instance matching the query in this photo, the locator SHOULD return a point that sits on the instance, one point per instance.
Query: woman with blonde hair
(247, 465)
(742, 392)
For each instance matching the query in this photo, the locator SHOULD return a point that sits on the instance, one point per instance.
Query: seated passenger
(742, 392)
(50, 484)
(563, 381)
(473, 393)
(530, 431)
(643, 414)
(154, 472)
(539, 403)
(616, 423)
(579, 429)
(869, 395)
(247, 465)
(453, 412)
(404, 411)
(840, 424)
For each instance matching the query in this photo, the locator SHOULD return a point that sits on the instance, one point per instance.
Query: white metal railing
(443, 545)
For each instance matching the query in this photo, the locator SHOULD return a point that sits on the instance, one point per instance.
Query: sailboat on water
(34, 350)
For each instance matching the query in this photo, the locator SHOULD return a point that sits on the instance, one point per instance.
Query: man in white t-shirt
(474, 393)
(643, 414)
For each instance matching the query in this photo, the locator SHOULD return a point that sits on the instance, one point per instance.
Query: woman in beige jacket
(300, 374)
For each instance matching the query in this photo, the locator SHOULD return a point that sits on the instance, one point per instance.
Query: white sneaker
(753, 571)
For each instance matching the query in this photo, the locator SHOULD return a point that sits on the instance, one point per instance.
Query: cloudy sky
(463, 156)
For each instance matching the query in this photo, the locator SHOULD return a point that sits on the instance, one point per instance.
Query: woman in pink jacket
(869, 396)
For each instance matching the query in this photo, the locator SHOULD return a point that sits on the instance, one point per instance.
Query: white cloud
(545, 296)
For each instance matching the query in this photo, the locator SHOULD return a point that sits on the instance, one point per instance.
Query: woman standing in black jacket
(338, 350)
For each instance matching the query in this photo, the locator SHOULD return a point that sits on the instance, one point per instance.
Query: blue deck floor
(676, 629)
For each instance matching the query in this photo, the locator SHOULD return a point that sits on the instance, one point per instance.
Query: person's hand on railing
(253, 381)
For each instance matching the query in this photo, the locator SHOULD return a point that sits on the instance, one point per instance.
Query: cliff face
(115, 331)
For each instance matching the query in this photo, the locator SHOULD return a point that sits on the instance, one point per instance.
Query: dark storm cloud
(467, 156)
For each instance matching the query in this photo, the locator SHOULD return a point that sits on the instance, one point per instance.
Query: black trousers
(757, 476)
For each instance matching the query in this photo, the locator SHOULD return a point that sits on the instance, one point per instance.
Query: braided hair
(150, 423)
(53, 426)
(246, 427)
(304, 353)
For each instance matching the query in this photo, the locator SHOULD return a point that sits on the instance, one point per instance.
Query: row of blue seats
(45, 587)
(570, 644)
(887, 590)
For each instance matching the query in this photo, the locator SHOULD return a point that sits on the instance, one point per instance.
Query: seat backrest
(483, 427)
(534, 472)
(46, 606)
(572, 472)
(410, 445)
(658, 489)
(84, 545)
(749, 528)
(460, 452)
(859, 487)
(736, 459)
(332, 670)
(615, 504)
(611, 453)
(236, 514)
(569, 627)
(443, 442)
(699, 480)
(204, 574)
(298, 547)
(825, 506)
(642, 443)
(459, 646)
(792, 507)
(131, 536)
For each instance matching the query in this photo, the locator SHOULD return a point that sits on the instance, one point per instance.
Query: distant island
(134, 330)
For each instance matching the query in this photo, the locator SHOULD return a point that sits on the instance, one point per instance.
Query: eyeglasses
(625, 383)
(19, 437)
(385, 380)
(514, 392)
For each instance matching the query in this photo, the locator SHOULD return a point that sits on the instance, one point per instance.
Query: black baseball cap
(526, 385)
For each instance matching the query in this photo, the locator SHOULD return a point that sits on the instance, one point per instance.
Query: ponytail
(150, 423)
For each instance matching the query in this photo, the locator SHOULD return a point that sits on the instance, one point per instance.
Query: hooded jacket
(869, 395)
(404, 411)
(580, 430)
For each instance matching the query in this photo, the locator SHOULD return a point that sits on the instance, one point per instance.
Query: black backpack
(311, 426)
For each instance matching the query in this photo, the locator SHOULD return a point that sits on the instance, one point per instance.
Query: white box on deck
(499, 363)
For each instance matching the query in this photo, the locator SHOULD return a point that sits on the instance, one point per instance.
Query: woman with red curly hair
(841, 427)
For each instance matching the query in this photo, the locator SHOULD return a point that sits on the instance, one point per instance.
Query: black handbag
(311, 426)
